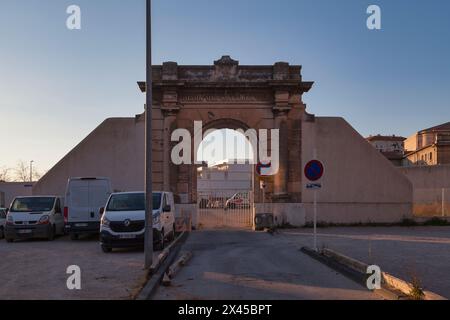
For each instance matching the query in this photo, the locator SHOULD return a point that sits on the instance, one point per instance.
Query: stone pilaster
(281, 109)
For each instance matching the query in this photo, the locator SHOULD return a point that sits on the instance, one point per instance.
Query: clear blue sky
(57, 85)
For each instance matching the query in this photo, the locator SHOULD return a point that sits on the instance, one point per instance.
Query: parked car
(239, 200)
(84, 198)
(3, 213)
(34, 217)
(123, 221)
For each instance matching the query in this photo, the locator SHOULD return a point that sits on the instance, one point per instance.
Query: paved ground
(249, 265)
(37, 270)
(422, 252)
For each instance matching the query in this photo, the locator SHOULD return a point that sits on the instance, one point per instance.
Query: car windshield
(36, 204)
(131, 202)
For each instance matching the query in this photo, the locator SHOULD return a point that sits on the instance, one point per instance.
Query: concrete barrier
(389, 282)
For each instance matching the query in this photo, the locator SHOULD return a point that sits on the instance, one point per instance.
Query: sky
(57, 85)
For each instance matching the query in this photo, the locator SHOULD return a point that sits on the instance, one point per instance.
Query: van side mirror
(102, 210)
(167, 208)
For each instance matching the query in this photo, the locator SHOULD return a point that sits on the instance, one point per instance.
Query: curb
(159, 268)
(333, 264)
(392, 288)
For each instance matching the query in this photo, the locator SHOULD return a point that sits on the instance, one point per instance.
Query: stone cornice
(226, 73)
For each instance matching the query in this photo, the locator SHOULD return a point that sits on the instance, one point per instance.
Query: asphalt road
(32, 270)
(247, 265)
(405, 252)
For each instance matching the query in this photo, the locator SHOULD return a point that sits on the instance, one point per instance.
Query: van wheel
(106, 249)
(73, 236)
(51, 233)
(159, 246)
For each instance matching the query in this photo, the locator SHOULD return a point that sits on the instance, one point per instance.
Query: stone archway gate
(233, 96)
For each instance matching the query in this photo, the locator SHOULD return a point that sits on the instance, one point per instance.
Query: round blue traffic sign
(314, 170)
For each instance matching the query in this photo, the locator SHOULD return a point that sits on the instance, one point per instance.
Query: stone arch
(226, 123)
(233, 96)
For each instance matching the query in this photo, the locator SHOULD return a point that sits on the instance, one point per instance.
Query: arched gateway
(232, 96)
(360, 184)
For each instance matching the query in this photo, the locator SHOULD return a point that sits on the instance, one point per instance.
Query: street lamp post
(148, 143)
(31, 171)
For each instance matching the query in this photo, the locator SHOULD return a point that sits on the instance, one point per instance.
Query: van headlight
(156, 219)
(44, 219)
(105, 222)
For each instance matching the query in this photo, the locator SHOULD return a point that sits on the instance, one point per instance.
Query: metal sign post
(315, 220)
(443, 202)
(148, 246)
(313, 172)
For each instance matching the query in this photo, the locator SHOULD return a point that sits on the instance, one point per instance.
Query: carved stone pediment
(226, 69)
(226, 61)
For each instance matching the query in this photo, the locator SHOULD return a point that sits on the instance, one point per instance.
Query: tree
(4, 174)
(22, 172)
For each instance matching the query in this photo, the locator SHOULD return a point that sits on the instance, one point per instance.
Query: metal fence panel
(225, 209)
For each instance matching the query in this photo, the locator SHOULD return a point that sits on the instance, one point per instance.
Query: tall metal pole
(148, 247)
(31, 171)
(315, 220)
(315, 207)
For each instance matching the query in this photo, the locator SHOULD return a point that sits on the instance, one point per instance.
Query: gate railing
(225, 208)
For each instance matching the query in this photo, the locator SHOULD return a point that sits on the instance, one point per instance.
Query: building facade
(428, 147)
(392, 147)
(228, 176)
(10, 190)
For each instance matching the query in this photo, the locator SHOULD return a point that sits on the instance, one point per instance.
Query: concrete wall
(428, 177)
(431, 184)
(10, 190)
(284, 213)
(360, 184)
(115, 149)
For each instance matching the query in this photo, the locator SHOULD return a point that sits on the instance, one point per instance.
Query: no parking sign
(314, 170)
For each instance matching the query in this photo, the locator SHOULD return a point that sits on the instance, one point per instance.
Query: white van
(34, 217)
(84, 199)
(123, 221)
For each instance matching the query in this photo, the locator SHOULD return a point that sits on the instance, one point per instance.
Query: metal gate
(225, 209)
